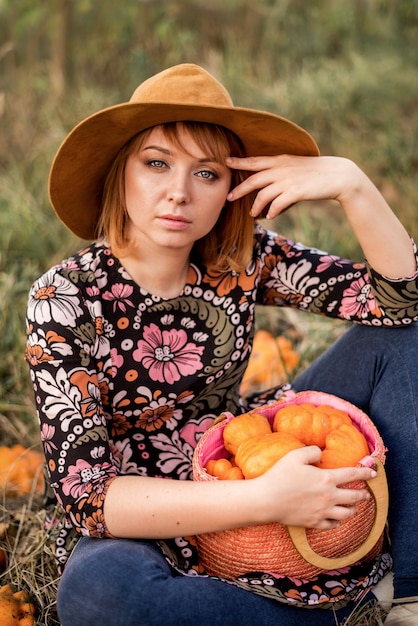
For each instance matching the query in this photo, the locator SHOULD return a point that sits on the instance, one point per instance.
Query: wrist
(353, 182)
(264, 505)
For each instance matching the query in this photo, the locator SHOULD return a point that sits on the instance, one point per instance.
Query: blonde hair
(228, 246)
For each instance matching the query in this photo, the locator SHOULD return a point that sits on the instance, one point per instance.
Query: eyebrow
(169, 153)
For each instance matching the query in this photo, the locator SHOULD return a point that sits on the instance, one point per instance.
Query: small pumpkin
(308, 422)
(20, 470)
(244, 427)
(344, 447)
(224, 469)
(15, 608)
(256, 455)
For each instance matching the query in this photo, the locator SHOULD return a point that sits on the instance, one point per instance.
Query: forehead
(182, 140)
(201, 140)
(160, 135)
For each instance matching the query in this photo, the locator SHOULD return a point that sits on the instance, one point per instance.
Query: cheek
(212, 216)
(137, 183)
(138, 195)
(218, 200)
(130, 191)
(222, 193)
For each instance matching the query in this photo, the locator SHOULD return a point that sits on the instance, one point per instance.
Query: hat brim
(84, 158)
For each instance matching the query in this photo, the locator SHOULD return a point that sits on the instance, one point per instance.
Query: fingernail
(230, 196)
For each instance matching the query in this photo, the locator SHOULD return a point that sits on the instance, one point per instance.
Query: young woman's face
(174, 196)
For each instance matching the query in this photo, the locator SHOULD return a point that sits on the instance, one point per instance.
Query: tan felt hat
(184, 92)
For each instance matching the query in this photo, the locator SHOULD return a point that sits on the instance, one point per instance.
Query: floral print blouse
(126, 382)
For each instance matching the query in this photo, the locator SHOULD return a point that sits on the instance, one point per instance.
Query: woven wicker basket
(294, 551)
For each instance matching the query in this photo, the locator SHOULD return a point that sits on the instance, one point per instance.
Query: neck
(164, 277)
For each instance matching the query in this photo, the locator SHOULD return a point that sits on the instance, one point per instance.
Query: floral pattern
(126, 382)
(167, 355)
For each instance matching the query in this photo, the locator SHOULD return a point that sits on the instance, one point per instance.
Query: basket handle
(379, 489)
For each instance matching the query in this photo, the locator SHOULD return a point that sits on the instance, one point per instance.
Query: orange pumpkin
(20, 470)
(255, 446)
(344, 447)
(272, 360)
(308, 422)
(15, 608)
(244, 427)
(223, 469)
(257, 454)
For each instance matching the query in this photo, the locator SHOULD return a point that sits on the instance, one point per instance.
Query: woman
(140, 339)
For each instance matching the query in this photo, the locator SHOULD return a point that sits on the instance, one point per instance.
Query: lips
(174, 222)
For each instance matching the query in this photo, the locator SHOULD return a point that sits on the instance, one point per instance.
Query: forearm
(292, 492)
(285, 180)
(156, 508)
(385, 242)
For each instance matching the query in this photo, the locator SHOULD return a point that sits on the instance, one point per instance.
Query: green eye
(208, 175)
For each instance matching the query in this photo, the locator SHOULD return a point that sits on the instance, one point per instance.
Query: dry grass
(367, 616)
(31, 563)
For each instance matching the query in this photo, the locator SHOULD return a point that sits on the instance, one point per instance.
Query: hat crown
(185, 84)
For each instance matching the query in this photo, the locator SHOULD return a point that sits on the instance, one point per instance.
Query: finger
(352, 474)
(343, 513)
(336, 515)
(339, 514)
(268, 203)
(259, 180)
(270, 196)
(250, 164)
(349, 497)
(309, 455)
(326, 524)
(278, 206)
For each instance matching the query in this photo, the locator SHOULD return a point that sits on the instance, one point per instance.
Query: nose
(179, 189)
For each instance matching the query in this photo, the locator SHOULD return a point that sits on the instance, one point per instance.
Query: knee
(101, 572)
(402, 340)
(85, 585)
(390, 332)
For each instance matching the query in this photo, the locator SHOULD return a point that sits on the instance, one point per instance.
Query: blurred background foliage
(346, 70)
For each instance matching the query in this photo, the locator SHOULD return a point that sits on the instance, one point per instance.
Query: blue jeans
(122, 582)
(112, 582)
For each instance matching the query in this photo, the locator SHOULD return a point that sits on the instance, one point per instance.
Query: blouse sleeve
(312, 280)
(397, 297)
(64, 341)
